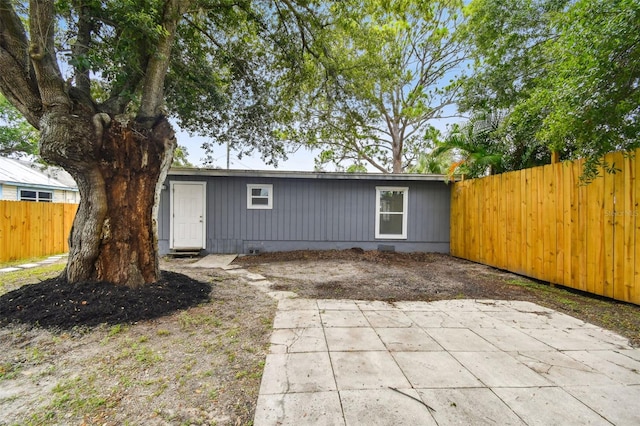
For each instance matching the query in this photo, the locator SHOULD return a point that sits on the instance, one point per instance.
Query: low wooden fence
(30, 229)
(543, 223)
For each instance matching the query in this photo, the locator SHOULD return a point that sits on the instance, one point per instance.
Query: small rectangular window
(391, 212)
(41, 196)
(259, 196)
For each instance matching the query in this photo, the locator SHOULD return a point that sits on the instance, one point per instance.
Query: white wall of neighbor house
(9, 193)
(71, 197)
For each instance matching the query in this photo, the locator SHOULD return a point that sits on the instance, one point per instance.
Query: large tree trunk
(119, 168)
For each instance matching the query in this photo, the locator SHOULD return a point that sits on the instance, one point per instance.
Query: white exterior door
(188, 219)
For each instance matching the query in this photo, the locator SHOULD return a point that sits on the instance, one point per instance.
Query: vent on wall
(386, 247)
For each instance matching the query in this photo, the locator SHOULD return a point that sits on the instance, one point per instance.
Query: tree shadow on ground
(55, 303)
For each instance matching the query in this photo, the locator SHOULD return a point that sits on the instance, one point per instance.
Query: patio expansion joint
(333, 371)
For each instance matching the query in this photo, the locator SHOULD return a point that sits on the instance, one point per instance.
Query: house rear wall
(313, 214)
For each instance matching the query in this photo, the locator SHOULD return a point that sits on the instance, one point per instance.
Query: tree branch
(80, 49)
(43, 57)
(153, 85)
(17, 80)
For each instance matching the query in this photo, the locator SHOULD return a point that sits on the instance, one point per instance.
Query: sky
(300, 161)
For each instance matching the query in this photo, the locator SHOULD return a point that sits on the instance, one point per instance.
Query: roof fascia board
(183, 171)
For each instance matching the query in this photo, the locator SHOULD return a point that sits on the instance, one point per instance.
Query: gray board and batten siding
(310, 211)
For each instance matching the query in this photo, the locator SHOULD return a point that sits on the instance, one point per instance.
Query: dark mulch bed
(58, 304)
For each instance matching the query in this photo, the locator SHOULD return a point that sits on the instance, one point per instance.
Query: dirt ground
(191, 349)
(390, 276)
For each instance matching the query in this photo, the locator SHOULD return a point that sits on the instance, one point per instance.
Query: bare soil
(191, 349)
(391, 276)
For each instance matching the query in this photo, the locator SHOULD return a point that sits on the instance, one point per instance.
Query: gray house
(237, 211)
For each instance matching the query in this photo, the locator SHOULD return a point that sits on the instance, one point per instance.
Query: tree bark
(119, 168)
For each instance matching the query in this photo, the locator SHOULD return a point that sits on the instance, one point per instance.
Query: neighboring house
(235, 211)
(24, 181)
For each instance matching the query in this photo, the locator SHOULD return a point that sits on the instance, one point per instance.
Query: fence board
(618, 231)
(629, 226)
(544, 223)
(29, 229)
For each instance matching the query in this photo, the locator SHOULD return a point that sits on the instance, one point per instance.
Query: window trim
(405, 212)
(250, 197)
(37, 198)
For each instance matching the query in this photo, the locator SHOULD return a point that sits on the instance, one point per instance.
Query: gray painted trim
(182, 171)
(399, 246)
(39, 187)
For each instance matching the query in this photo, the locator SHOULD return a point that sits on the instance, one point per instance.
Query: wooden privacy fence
(29, 229)
(543, 223)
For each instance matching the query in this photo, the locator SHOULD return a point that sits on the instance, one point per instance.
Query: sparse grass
(9, 370)
(189, 320)
(12, 280)
(23, 261)
(621, 317)
(168, 370)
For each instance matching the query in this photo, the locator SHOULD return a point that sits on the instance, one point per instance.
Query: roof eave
(188, 171)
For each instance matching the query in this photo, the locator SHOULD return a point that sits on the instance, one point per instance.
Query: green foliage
(384, 71)
(180, 157)
(230, 65)
(566, 72)
(17, 136)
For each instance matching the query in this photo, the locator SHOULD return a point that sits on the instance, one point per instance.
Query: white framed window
(33, 195)
(259, 196)
(391, 212)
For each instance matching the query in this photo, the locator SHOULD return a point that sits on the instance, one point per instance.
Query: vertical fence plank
(539, 244)
(635, 294)
(558, 169)
(629, 200)
(548, 206)
(594, 235)
(527, 197)
(608, 239)
(582, 227)
(574, 206)
(617, 161)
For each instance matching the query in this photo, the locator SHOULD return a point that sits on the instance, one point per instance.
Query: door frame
(204, 212)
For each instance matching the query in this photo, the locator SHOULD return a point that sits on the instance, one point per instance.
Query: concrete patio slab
(459, 339)
(361, 370)
(353, 339)
(297, 319)
(499, 369)
(620, 408)
(510, 339)
(384, 407)
(298, 372)
(214, 261)
(472, 362)
(433, 319)
(291, 340)
(407, 339)
(548, 406)
(300, 409)
(343, 319)
(388, 319)
(470, 406)
(435, 370)
(562, 370)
